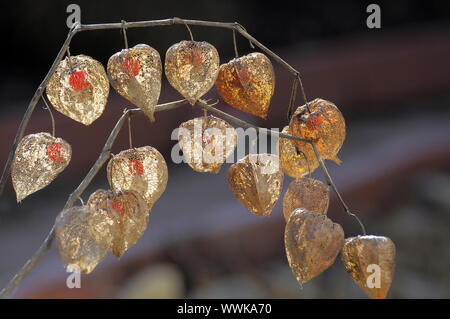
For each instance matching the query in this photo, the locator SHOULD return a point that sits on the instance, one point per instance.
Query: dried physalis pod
(38, 159)
(191, 68)
(206, 143)
(142, 170)
(312, 242)
(323, 124)
(370, 261)
(75, 242)
(247, 83)
(256, 181)
(308, 194)
(79, 88)
(103, 220)
(135, 74)
(293, 162)
(118, 220)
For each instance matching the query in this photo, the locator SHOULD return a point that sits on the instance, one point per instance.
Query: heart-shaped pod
(307, 194)
(142, 170)
(323, 124)
(247, 83)
(191, 68)
(206, 143)
(38, 159)
(118, 220)
(312, 242)
(370, 261)
(293, 162)
(79, 88)
(76, 244)
(135, 74)
(256, 181)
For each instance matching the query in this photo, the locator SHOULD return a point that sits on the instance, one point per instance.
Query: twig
(292, 98)
(47, 107)
(130, 139)
(236, 53)
(76, 194)
(124, 32)
(331, 183)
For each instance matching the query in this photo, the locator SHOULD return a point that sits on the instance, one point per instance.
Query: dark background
(392, 85)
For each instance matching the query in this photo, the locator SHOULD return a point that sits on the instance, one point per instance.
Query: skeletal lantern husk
(79, 88)
(325, 125)
(76, 244)
(117, 220)
(370, 261)
(38, 159)
(293, 162)
(206, 143)
(256, 181)
(191, 68)
(142, 170)
(135, 74)
(247, 83)
(307, 194)
(312, 242)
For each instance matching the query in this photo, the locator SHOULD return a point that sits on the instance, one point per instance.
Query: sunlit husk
(75, 242)
(361, 252)
(142, 170)
(135, 74)
(293, 162)
(307, 194)
(191, 68)
(79, 88)
(38, 159)
(117, 220)
(247, 83)
(312, 242)
(325, 125)
(256, 181)
(206, 143)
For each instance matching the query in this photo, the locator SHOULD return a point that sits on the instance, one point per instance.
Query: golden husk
(118, 220)
(294, 163)
(325, 125)
(79, 88)
(360, 252)
(38, 159)
(256, 181)
(307, 194)
(191, 68)
(142, 170)
(135, 74)
(206, 143)
(312, 242)
(247, 83)
(76, 244)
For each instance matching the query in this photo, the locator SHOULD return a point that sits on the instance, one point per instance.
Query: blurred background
(392, 85)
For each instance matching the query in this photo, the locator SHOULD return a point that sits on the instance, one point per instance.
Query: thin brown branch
(76, 194)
